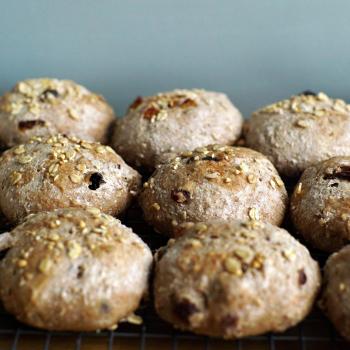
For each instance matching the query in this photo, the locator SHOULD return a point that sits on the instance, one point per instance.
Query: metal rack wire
(315, 332)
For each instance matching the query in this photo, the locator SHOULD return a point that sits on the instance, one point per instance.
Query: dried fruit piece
(307, 93)
(180, 196)
(96, 180)
(48, 94)
(184, 309)
(302, 278)
(150, 112)
(341, 173)
(136, 103)
(30, 124)
(188, 103)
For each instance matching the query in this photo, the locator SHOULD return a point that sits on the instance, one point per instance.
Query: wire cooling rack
(314, 333)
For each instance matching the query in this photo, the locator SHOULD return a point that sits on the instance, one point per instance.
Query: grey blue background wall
(257, 51)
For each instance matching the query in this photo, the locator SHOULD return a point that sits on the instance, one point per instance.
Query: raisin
(190, 160)
(180, 196)
(341, 173)
(302, 278)
(3, 253)
(81, 271)
(30, 124)
(184, 309)
(307, 93)
(96, 180)
(214, 159)
(105, 308)
(138, 100)
(47, 94)
(229, 321)
(206, 158)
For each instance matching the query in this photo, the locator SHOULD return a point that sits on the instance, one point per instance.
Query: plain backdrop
(256, 51)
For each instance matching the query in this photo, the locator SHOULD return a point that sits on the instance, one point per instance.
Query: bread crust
(57, 172)
(301, 131)
(43, 107)
(74, 269)
(320, 204)
(234, 279)
(336, 291)
(173, 122)
(214, 182)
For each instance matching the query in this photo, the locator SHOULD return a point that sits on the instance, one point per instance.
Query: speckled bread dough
(336, 291)
(234, 279)
(73, 269)
(213, 182)
(58, 172)
(320, 207)
(300, 131)
(42, 107)
(175, 121)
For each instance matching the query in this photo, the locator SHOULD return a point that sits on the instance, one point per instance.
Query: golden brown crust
(234, 279)
(74, 269)
(301, 131)
(210, 183)
(320, 204)
(336, 291)
(43, 107)
(173, 122)
(57, 172)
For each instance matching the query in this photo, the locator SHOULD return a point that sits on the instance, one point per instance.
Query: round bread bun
(43, 107)
(173, 122)
(234, 279)
(74, 270)
(301, 131)
(214, 182)
(336, 291)
(320, 207)
(59, 172)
